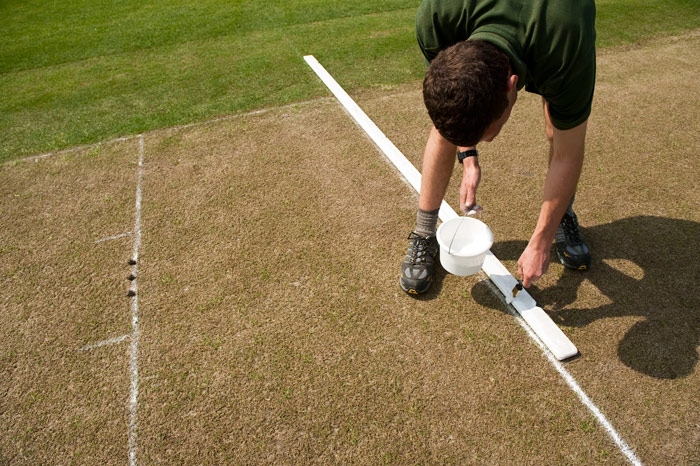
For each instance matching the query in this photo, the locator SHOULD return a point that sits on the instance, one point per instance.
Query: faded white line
(262, 111)
(413, 177)
(107, 342)
(135, 331)
(110, 238)
(36, 158)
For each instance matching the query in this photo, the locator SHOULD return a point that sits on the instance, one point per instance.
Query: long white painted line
(624, 448)
(135, 332)
(543, 326)
(410, 173)
(529, 316)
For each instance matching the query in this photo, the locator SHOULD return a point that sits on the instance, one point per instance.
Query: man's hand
(533, 263)
(471, 177)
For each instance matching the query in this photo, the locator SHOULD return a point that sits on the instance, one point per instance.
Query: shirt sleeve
(440, 24)
(571, 106)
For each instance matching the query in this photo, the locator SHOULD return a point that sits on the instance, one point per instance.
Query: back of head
(465, 90)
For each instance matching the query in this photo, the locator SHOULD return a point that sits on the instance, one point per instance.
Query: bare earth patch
(273, 330)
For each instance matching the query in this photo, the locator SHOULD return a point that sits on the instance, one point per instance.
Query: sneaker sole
(571, 267)
(413, 291)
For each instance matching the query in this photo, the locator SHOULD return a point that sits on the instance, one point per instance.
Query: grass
(266, 334)
(624, 22)
(76, 72)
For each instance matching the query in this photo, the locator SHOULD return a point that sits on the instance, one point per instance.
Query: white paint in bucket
(464, 242)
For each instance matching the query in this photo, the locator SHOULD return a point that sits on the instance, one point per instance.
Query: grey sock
(426, 222)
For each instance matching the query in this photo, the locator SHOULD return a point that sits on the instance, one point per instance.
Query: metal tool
(517, 288)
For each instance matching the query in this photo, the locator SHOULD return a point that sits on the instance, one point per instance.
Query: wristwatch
(467, 153)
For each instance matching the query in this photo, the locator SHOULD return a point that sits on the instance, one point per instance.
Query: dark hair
(465, 90)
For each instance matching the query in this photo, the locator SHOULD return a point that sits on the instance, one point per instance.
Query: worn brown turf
(273, 330)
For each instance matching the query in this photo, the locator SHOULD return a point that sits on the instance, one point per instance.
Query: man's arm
(567, 150)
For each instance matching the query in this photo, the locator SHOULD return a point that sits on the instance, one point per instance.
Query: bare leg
(416, 275)
(438, 163)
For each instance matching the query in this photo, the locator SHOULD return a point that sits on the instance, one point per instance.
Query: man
(481, 53)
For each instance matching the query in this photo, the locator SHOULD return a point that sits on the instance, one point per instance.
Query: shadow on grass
(647, 267)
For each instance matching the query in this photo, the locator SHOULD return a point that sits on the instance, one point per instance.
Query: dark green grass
(624, 22)
(76, 72)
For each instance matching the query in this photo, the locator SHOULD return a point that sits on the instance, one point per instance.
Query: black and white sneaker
(417, 266)
(571, 247)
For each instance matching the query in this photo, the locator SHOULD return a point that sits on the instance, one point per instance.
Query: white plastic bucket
(464, 242)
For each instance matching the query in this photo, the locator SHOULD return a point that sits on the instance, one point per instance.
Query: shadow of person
(647, 267)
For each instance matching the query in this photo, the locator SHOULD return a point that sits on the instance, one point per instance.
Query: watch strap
(461, 155)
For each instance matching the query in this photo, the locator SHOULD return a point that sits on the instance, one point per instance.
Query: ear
(512, 82)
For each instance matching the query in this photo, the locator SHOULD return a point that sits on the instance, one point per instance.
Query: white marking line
(576, 388)
(554, 339)
(552, 336)
(110, 238)
(135, 333)
(408, 171)
(38, 157)
(107, 342)
(446, 212)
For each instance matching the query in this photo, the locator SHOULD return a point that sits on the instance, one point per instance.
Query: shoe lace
(571, 229)
(419, 249)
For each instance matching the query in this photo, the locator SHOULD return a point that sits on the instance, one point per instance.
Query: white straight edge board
(538, 320)
(410, 173)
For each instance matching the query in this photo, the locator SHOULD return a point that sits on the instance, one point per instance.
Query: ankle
(426, 222)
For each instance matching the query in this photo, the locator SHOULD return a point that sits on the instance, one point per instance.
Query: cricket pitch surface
(262, 321)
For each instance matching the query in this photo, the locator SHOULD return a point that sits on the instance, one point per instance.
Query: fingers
(462, 197)
(525, 279)
(471, 176)
(469, 206)
(473, 210)
(470, 202)
(528, 273)
(532, 265)
(467, 197)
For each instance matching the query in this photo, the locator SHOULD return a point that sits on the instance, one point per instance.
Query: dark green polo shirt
(551, 44)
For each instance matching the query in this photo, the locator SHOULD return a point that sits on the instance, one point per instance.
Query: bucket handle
(476, 209)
